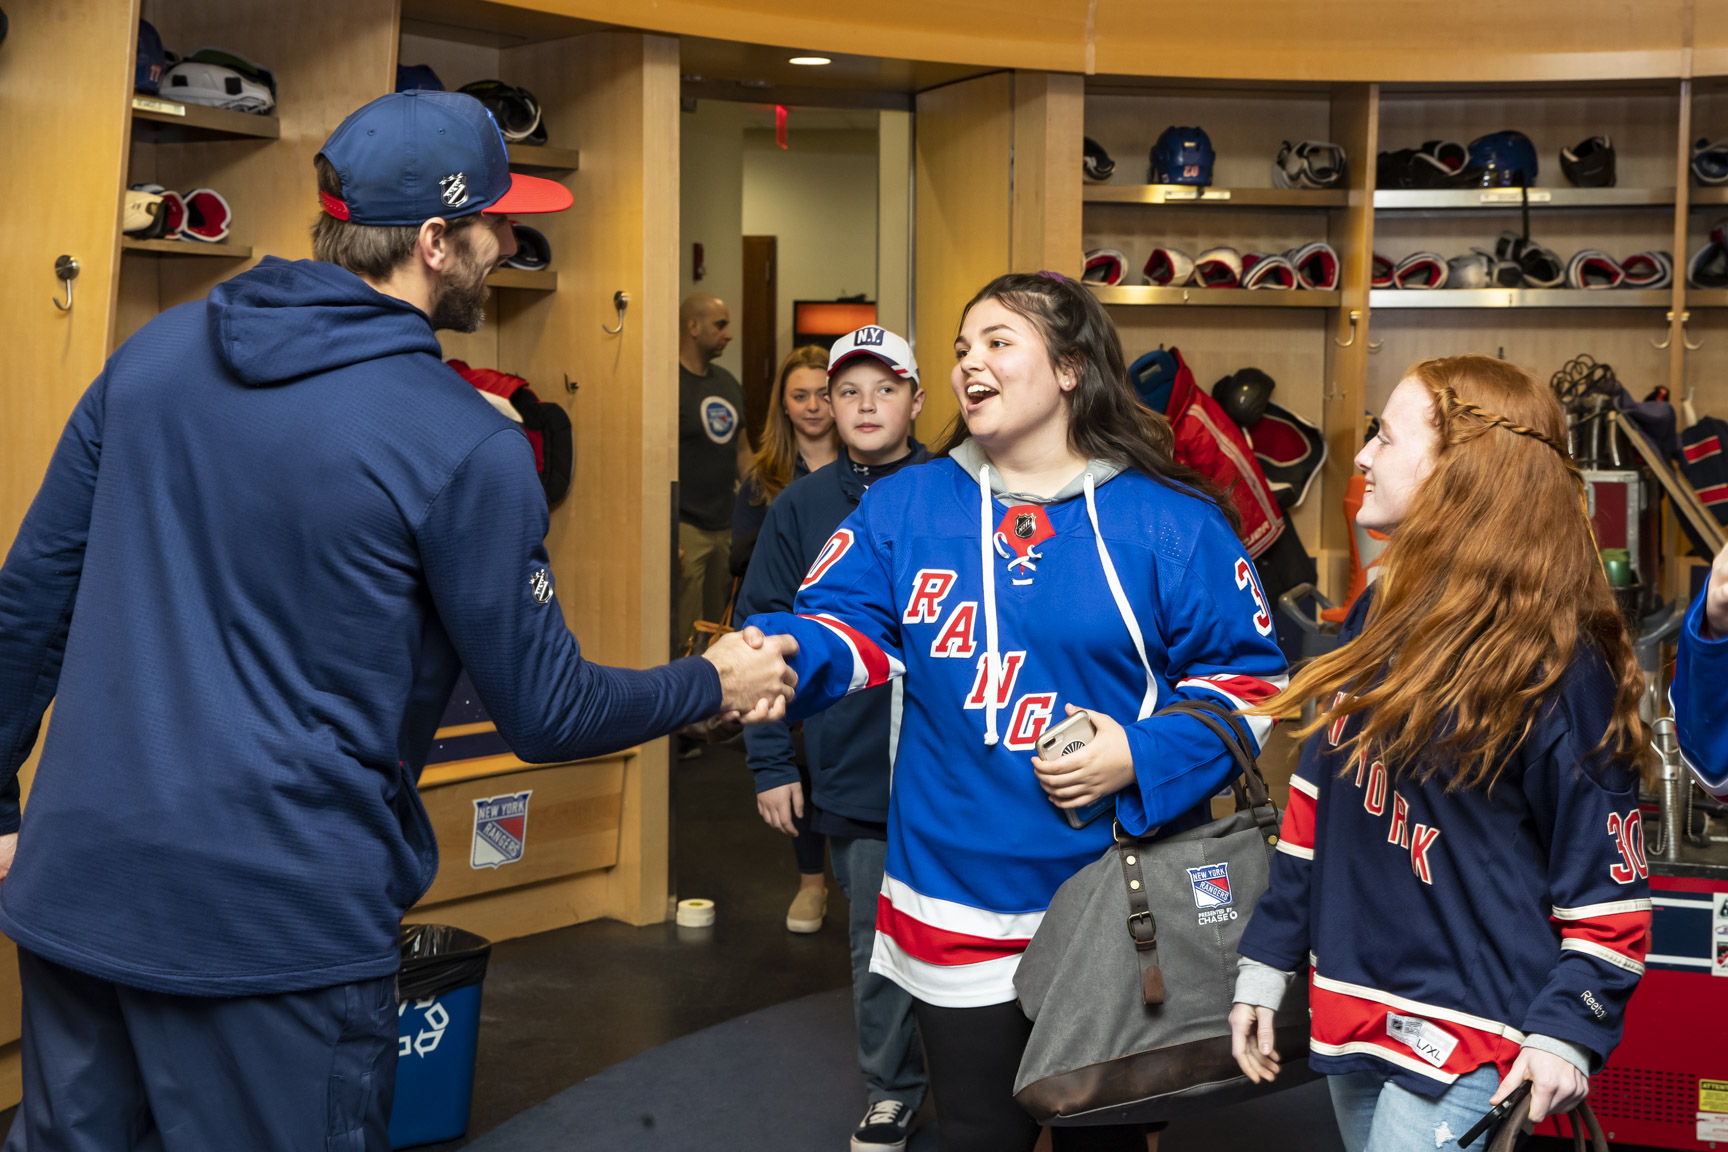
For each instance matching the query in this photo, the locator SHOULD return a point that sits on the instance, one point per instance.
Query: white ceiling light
(810, 60)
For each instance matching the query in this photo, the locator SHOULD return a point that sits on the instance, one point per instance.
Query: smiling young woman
(1055, 559)
(1471, 778)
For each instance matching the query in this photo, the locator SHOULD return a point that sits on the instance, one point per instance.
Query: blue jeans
(1376, 1115)
(888, 1051)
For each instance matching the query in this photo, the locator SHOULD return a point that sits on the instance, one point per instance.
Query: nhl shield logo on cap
(455, 189)
(1211, 886)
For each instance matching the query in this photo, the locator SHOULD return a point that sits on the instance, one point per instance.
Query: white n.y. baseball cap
(873, 340)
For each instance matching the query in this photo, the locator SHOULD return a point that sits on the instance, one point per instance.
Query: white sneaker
(884, 1128)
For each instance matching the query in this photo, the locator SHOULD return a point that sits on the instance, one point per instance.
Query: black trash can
(438, 1013)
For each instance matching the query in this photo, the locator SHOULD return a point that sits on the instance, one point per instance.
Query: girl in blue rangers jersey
(1057, 559)
(1461, 869)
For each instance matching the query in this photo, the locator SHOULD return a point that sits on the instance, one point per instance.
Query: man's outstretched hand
(755, 681)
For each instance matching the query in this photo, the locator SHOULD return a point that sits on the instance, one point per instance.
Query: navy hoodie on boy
(849, 745)
(275, 527)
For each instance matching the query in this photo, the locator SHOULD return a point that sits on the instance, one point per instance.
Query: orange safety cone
(1365, 548)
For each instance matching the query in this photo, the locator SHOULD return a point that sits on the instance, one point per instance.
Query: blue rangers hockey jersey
(1699, 696)
(1120, 595)
(1445, 929)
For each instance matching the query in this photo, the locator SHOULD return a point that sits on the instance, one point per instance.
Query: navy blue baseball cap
(409, 156)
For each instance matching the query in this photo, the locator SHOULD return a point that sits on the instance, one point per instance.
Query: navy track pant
(109, 1068)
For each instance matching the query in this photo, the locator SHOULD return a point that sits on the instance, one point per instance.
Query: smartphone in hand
(1072, 734)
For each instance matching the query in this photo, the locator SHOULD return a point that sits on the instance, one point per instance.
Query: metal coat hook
(620, 301)
(1685, 317)
(1355, 318)
(569, 384)
(1663, 347)
(66, 268)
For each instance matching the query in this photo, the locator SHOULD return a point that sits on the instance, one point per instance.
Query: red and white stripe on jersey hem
(967, 986)
(1351, 1018)
(870, 664)
(1296, 836)
(1240, 691)
(947, 953)
(1616, 933)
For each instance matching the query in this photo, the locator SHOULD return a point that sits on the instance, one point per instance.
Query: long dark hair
(1106, 420)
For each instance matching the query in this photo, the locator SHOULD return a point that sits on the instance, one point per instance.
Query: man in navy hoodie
(273, 531)
(874, 392)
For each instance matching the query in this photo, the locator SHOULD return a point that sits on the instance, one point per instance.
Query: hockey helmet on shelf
(1589, 163)
(1503, 160)
(1182, 156)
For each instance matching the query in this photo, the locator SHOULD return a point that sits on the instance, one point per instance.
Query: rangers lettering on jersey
(1008, 672)
(955, 639)
(929, 588)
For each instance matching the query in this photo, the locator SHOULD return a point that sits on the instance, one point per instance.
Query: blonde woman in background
(799, 438)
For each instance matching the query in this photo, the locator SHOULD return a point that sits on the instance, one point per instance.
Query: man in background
(713, 455)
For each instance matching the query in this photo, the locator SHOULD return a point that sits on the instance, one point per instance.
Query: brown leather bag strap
(1233, 731)
(1586, 1129)
(1142, 925)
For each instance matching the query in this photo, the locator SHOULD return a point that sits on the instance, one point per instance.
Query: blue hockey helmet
(1182, 156)
(1503, 160)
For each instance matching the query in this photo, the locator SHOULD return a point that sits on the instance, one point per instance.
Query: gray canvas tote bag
(1130, 977)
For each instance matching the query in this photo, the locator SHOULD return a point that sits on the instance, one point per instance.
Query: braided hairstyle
(1491, 588)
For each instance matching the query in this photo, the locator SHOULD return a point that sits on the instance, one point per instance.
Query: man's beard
(459, 303)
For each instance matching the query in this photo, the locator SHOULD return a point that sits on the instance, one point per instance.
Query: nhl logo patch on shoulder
(1211, 886)
(540, 585)
(500, 830)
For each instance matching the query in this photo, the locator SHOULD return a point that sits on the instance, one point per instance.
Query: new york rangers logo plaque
(500, 830)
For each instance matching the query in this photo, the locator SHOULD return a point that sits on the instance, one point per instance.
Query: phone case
(1075, 732)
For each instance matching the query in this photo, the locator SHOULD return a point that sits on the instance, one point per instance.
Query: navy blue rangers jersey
(1699, 696)
(1442, 929)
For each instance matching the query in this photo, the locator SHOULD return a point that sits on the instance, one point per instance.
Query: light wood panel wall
(70, 139)
(62, 154)
(1049, 125)
(615, 97)
(965, 140)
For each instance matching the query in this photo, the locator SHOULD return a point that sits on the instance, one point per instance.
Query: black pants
(972, 1055)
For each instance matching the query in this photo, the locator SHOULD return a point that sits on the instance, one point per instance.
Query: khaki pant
(704, 583)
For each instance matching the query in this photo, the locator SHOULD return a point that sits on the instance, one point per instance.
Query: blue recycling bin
(438, 1031)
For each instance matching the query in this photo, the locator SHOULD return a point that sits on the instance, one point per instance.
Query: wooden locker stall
(1290, 335)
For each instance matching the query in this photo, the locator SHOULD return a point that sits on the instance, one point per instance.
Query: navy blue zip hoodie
(848, 746)
(273, 530)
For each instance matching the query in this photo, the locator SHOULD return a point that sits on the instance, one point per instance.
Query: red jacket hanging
(1209, 442)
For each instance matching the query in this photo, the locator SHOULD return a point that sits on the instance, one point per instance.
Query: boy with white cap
(874, 392)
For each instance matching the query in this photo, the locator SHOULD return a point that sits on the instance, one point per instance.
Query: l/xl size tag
(1429, 1041)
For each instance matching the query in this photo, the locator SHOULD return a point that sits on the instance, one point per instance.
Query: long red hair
(1489, 586)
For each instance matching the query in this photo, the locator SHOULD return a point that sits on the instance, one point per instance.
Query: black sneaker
(884, 1128)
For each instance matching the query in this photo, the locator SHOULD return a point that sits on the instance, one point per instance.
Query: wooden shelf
(169, 121)
(1214, 297)
(1508, 199)
(1707, 297)
(187, 248)
(545, 280)
(1191, 197)
(542, 158)
(1520, 298)
(1708, 197)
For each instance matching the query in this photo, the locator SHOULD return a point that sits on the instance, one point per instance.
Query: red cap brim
(530, 194)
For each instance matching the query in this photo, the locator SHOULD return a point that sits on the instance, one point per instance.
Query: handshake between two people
(756, 683)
